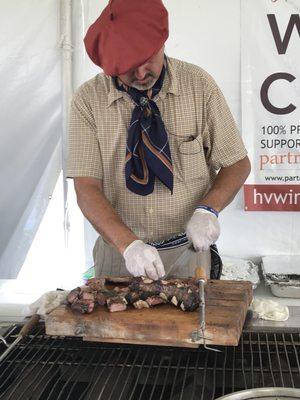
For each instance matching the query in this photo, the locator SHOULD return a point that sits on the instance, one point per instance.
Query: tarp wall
(204, 32)
(31, 122)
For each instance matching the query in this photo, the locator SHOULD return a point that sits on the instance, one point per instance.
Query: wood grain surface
(227, 303)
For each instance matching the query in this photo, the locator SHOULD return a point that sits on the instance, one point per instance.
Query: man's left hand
(203, 229)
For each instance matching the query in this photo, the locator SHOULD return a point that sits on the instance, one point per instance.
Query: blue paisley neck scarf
(147, 152)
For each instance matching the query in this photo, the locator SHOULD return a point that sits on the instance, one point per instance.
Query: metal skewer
(29, 325)
(199, 334)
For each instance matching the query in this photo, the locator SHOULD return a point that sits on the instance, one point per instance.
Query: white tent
(42, 61)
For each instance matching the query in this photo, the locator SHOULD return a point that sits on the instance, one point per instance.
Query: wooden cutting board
(227, 303)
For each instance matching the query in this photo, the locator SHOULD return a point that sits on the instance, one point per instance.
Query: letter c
(264, 95)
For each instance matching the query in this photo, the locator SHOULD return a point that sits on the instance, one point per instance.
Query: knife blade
(188, 254)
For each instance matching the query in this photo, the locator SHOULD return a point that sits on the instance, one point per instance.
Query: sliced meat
(115, 304)
(140, 292)
(103, 295)
(155, 300)
(83, 306)
(101, 298)
(190, 301)
(73, 295)
(126, 280)
(121, 290)
(132, 297)
(141, 304)
(88, 296)
(95, 283)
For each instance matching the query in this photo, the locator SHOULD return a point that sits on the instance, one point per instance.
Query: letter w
(278, 198)
(282, 45)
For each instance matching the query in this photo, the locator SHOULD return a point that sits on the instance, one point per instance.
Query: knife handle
(200, 274)
(29, 325)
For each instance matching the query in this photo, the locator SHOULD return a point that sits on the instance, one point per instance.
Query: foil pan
(240, 270)
(282, 274)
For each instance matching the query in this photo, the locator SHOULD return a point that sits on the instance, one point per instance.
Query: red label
(272, 197)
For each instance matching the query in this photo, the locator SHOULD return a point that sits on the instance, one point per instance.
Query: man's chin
(144, 86)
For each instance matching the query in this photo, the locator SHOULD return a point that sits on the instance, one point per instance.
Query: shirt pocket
(190, 161)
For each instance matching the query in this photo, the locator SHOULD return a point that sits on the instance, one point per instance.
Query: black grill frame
(41, 367)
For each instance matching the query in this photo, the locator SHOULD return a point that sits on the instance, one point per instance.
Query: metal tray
(282, 274)
(264, 394)
(238, 269)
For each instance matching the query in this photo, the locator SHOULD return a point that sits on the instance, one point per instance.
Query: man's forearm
(227, 183)
(98, 210)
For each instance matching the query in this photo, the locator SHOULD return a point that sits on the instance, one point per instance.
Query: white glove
(203, 229)
(141, 259)
(47, 302)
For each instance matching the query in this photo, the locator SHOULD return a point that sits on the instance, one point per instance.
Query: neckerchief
(147, 152)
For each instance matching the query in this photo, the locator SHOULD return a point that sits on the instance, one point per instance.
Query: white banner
(271, 103)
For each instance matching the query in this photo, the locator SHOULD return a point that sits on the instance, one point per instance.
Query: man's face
(144, 76)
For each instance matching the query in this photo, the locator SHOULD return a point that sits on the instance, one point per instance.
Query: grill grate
(62, 368)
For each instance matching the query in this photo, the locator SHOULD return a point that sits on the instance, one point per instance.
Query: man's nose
(140, 72)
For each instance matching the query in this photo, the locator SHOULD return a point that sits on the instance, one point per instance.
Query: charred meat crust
(140, 292)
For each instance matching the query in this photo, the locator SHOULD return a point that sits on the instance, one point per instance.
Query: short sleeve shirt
(203, 138)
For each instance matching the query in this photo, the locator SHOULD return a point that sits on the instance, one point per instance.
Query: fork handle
(200, 274)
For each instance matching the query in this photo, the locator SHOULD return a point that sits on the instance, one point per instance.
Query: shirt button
(150, 210)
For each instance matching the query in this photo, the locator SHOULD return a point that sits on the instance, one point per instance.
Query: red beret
(127, 34)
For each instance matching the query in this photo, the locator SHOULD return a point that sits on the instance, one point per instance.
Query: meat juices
(139, 292)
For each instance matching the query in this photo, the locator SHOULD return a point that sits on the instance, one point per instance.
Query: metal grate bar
(270, 362)
(101, 371)
(29, 371)
(233, 371)
(162, 359)
(27, 350)
(82, 372)
(10, 332)
(131, 371)
(116, 382)
(74, 372)
(195, 380)
(288, 361)
(62, 354)
(224, 371)
(139, 373)
(175, 376)
(278, 360)
(185, 376)
(166, 376)
(89, 387)
(108, 377)
(68, 366)
(243, 363)
(251, 361)
(15, 351)
(214, 376)
(204, 375)
(147, 375)
(62, 368)
(260, 361)
(295, 352)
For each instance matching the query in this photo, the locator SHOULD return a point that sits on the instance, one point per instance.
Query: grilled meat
(116, 304)
(140, 292)
(96, 283)
(83, 306)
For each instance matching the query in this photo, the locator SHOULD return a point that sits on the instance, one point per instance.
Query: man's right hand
(141, 259)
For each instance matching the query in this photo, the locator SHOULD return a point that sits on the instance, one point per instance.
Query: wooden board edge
(138, 342)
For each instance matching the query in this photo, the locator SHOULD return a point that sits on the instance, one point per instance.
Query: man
(153, 148)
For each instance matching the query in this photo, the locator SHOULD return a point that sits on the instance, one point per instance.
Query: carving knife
(189, 255)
